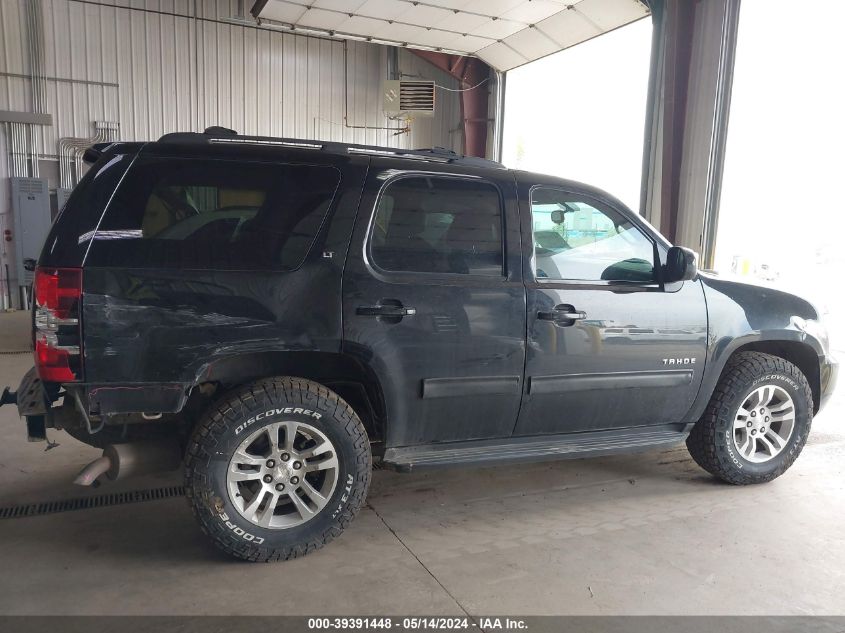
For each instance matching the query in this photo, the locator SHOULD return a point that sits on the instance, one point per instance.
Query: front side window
(214, 214)
(435, 224)
(580, 239)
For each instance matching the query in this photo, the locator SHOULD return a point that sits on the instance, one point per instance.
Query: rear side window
(74, 226)
(214, 214)
(436, 224)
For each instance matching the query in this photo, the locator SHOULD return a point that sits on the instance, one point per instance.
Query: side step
(534, 448)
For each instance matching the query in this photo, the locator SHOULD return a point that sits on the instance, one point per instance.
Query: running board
(534, 448)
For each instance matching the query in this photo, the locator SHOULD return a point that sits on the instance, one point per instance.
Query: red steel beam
(470, 72)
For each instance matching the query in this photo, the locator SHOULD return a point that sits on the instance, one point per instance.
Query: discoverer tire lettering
(272, 412)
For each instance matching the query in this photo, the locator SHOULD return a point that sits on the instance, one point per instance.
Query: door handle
(572, 316)
(385, 311)
(562, 315)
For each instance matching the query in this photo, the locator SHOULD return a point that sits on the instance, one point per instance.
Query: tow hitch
(8, 397)
(33, 403)
(118, 461)
(36, 427)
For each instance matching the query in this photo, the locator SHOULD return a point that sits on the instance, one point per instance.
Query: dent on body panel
(172, 327)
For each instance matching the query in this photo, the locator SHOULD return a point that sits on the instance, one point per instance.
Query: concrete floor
(639, 534)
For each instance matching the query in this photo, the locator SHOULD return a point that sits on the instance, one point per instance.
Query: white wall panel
(154, 68)
(12, 47)
(13, 60)
(182, 7)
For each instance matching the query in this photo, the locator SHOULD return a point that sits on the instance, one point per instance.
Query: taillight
(58, 337)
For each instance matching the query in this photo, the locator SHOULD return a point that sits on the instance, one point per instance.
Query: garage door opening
(580, 113)
(780, 207)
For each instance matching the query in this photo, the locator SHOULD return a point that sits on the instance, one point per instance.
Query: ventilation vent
(409, 98)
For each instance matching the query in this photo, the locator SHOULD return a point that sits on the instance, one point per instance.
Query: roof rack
(222, 135)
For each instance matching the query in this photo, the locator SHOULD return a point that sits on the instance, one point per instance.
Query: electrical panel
(62, 194)
(31, 209)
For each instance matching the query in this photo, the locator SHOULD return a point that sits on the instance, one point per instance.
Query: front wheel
(277, 469)
(757, 421)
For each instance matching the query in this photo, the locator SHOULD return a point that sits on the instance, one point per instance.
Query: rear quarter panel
(156, 332)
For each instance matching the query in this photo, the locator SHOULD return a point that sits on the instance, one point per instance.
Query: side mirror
(29, 264)
(681, 264)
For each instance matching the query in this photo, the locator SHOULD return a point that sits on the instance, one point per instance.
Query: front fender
(746, 316)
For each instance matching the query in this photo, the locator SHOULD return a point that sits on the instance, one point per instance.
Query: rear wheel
(757, 421)
(277, 469)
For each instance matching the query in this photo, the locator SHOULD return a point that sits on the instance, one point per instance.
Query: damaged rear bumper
(35, 404)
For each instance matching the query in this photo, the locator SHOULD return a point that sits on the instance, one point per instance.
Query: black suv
(275, 313)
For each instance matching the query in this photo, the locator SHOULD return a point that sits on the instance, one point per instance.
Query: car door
(433, 300)
(609, 345)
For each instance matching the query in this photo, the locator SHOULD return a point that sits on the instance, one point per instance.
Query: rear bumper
(35, 400)
(828, 374)
(33, 404)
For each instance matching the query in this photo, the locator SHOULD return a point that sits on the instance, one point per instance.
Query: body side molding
(613, 380)
(476, 385)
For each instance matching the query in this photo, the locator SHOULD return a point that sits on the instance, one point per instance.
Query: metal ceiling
(503, 33)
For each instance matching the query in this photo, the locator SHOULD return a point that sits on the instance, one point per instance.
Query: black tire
(711, 441)
(221, 430)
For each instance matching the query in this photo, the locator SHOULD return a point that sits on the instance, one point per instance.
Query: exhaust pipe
(88, 475)
(121, 461)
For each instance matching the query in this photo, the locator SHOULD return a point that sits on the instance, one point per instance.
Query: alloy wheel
(282, 475)
(764, 423)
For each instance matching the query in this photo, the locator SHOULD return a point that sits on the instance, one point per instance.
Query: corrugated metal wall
(159, 66)
(154, 68)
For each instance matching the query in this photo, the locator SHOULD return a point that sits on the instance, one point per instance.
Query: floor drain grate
(85, 503)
